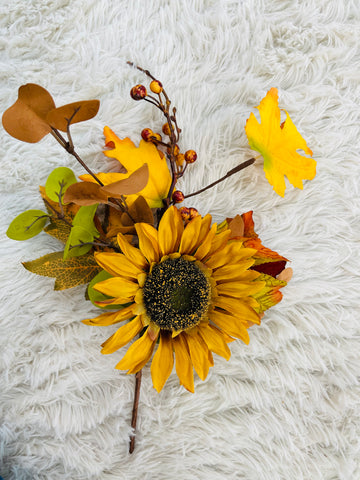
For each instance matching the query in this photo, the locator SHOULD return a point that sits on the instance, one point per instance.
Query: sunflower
(187, 290)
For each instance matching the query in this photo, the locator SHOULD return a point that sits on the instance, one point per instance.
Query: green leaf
(77, 237)
(27, 225)
(270, 294)
(58, 181)
(68, 273)
(95, 296)
(85, 218)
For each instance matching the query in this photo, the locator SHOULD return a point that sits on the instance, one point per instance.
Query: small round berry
(156, 86)
(138, 92)
(185, 213)
(193, 212)
(156, 137)
(178, 196)
(176, 150)
(166, 129)
(180, 159)
(190, 156)
(146, 134)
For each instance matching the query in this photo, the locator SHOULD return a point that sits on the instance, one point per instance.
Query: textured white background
(287, 405)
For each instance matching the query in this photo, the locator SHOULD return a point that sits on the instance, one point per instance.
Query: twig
(231, 172)
(135, 409)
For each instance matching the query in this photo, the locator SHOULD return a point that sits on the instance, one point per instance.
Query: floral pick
(181, 287)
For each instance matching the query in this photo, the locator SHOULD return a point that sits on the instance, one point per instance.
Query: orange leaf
(134, 183)
(26, 118)
(278, 144)
(77, 112)
(85, 193)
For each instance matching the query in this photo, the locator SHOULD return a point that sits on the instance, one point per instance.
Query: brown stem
(70, 149)
(231, 172)
(58, 214)
(135, 409)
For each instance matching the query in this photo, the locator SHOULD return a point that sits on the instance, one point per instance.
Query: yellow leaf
(132, 158)
(68, 273)
(278, 144)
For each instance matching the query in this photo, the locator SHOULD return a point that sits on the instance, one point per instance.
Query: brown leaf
(79, 111)
(85, 193)
(130, 185)
(140, 212)
(26, 118)
(236, 226)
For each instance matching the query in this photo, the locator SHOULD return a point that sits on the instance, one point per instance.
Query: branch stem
(229, 174)
(135, 409)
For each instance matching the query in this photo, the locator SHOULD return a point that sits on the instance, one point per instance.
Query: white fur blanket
(287, 405)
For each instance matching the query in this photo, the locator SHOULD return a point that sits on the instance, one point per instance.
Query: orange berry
(190, 156)
(146, 134)
(156, 86)
(180, 159)
(138, 92)
(193, 212)
(185, 213)
(156, 137)
(166, 129)
(178, 196)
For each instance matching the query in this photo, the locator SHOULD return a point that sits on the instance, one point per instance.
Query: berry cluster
(178, 160)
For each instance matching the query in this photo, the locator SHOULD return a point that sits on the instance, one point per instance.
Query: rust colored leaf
(26, 118)
(85, 193)
(73, 112)
(130, 185)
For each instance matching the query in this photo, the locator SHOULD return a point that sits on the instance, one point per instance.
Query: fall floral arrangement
(183, 286)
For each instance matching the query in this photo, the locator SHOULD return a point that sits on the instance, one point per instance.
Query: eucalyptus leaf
(85, 218)
(58, 182)
(27, 225)
(77, 237)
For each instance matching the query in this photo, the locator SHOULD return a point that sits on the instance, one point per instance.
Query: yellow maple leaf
(132, 158)
(278, 144)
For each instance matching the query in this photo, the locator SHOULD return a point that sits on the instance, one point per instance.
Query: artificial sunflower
(189, 289)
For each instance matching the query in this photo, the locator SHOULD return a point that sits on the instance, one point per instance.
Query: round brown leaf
(134, 183)
(26, 118)
(84, 193)
(73, 112)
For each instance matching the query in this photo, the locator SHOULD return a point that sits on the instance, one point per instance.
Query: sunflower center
(176, 294)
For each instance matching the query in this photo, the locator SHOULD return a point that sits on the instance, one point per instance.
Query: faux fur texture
(287, 405)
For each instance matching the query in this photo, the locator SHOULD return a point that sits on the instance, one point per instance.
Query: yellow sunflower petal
(183, 364)
(239, 289)
(199, 354)
(117, 264)
(138, 355)
(205, 227)
(205, 244)
(106, 319)
(190, 237)
(122, 336)
(170, 230)
(231, 254)
(237, 307)
(163, 361)
(132, 253)
(117, 286)
(215, 341)
(231, 325)
(148, 241)
(219, 242)
(235, 271)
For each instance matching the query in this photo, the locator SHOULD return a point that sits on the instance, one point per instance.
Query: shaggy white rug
(287, 405)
